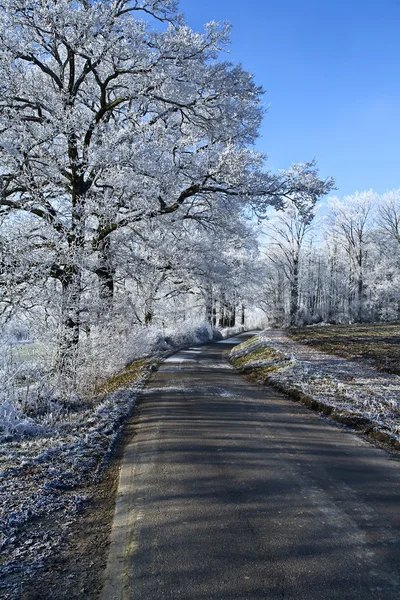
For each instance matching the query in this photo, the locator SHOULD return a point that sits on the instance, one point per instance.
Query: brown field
(379, 344)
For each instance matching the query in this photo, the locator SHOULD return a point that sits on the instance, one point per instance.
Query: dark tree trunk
(70, 325)
(294, 293)
(221, 321)
(214, 314)
(148, 317)
(209, 306)
(276, 314)
(71, 274)
(360, 297)
(233, 315)
(106, 276)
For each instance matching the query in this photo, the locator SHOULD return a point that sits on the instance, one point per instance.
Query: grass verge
(128, 377)
(50, 482)
(265, 365)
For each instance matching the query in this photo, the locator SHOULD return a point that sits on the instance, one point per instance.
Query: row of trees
(342, 267)
(128, 177)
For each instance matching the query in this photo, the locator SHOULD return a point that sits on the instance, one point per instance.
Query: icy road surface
(230, 492)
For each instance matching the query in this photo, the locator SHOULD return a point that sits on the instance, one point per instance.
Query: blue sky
(331, 70)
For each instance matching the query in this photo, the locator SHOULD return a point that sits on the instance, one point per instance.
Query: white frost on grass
(40, 477)
(52, 443)
(12, 422)
(342, 384)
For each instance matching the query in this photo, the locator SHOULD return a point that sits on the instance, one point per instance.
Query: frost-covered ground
(47, 457)
(40, 477)
(349, 388)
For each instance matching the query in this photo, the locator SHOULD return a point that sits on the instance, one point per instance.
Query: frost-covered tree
(388, 218)
(387, 260)
(349, 268)
(352, 223)
(208, 262)
(286, 235)
(107, 122)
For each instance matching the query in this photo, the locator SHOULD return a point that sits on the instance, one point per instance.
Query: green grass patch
(264, 353)
(261, 374)
(379, 344)
(127, 378)
(254, 341)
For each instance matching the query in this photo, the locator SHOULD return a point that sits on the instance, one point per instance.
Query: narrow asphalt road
(229, 491)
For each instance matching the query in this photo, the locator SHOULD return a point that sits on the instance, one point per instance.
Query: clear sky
(331, 70)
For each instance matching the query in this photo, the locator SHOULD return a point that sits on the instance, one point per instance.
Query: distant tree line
(338, 268)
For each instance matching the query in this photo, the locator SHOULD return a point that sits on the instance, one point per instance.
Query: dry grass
(256, 360)
(259, 354)
(379, 344)
(126, 378)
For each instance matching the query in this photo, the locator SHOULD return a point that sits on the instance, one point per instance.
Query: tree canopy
(115, 115)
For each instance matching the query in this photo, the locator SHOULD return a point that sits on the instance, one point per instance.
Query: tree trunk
(233, 315)
(148, 318)
(106, 276)
(280, 302)
(209, 306)
(214, 313)
(333, 297)
(71, 282)
(294, 293)
(360, 299)
(350, 292)
(66, 363)
(221, 321)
